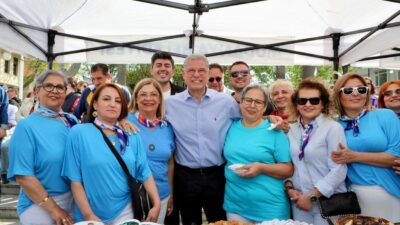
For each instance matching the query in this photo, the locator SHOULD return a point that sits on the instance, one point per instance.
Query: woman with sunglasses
(147, 111)
(262, 159)
(389, 96)
(313, 138)
(373, 146)
(98, 182)
(36, 154)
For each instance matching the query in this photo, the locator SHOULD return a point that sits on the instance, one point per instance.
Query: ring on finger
(64, 220)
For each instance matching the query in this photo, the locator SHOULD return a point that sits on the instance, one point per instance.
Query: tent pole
(51, 34)
(335, 46)
(346, 68)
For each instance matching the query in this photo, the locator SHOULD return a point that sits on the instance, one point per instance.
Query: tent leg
(335, 46)
(51, 35)
(345, 69)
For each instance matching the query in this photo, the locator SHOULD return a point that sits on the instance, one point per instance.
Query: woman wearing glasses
(36, 154)
(373, 145)
(147, 112)
(313, 138)
(389, 96)
(257, 161)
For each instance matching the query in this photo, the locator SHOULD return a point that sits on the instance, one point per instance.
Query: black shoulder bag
(339, 204)
(141, 203)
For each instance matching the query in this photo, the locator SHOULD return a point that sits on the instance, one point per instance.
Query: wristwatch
(313, 198)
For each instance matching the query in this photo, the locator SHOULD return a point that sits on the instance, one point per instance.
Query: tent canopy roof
(247, 31)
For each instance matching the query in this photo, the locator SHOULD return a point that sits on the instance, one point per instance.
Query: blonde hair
(339, 84)
(281, 82)
(133, 106)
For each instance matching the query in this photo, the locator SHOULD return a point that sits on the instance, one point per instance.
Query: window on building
(7, 66)
(15, 66)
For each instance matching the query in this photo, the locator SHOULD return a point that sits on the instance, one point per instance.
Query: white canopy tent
(273, 32)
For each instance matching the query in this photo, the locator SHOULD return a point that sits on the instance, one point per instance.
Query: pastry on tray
(362, 220)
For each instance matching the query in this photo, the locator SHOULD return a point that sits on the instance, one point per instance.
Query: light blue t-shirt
(89, 160)
(159, 144)
(379, 132)
(37, 149)
(262, 197)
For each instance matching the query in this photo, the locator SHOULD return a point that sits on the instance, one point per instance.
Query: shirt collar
(209, 94)
(318, 121)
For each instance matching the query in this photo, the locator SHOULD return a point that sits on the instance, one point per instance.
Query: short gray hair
(260, 87)
(195, 57)
(42, 77)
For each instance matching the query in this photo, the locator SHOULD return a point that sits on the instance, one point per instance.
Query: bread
(362, 220)
(222, 222)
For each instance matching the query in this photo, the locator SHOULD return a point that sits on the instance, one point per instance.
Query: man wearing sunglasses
(216, 78)
(240, 77)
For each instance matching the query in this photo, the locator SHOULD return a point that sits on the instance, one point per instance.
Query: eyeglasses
(242, 73)
(192, 71)
(249, 101)
(390, 92)
(303, 101)
(150, 95)
(50, 87)
(362, 90)
(211, 79)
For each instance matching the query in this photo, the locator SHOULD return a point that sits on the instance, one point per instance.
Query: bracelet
(44, 200)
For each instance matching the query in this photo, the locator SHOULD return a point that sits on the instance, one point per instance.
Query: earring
(94, 113)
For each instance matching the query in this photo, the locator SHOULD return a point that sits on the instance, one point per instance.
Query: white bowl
(237, 168)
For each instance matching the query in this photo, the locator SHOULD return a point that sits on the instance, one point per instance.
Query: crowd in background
(249, 154)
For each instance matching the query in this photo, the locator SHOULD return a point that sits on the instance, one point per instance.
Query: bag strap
(118, 156)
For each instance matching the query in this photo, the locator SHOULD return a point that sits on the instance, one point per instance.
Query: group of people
(182, 143)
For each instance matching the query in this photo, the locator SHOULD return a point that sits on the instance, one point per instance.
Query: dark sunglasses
(349, 90)
(211, 79)
(303, 101)
(242, 73)
(390, 92)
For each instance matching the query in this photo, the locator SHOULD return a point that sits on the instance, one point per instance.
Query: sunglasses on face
(349, 90)
(390, 92)
(242, 73)
(303, 101)
(211, 79)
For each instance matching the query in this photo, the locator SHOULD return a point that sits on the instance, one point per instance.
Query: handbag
(339, 204)
(141, 203)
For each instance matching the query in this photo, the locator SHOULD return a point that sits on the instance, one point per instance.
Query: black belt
(204, 170)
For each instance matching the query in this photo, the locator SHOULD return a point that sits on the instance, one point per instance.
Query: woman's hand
(343, 155)
(278, 121)
(397, 166)
(61, 216)
(170, 205)
(294, 195)
(304, 203)
(250, 170)
(128, 126)
(153, 214)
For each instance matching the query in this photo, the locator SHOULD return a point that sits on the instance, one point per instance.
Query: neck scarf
(305, 136)
(121, 134)
(68, 119)
(149, 123)
(353, 123)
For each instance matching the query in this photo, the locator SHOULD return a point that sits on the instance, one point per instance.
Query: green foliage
(264, 74)
(135, 73)
(294, 74)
